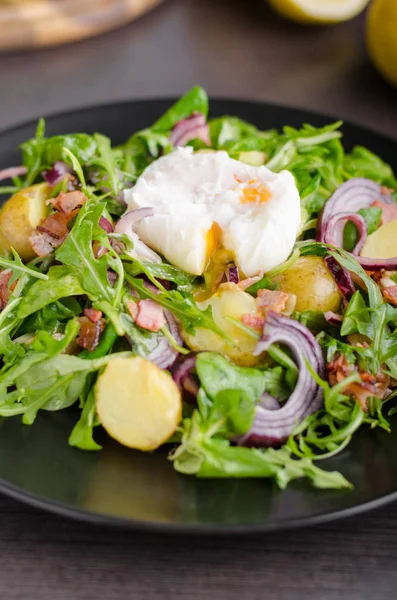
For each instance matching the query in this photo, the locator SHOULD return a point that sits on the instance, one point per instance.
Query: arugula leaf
(195, 100)
(183, 307)
(206, 456)
(81, 435)
(17, 267)
(361, 162)
(184, 281)
(61, 282)
(77, 252)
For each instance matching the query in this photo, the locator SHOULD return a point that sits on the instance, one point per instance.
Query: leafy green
(77, 253)
(204, 455)
(61, 282)
(196, 100)
(372, 216)
(183, 306)
(217, 374)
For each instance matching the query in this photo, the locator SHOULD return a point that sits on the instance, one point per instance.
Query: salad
(227, 292)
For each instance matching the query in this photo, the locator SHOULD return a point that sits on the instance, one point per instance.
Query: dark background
(238, 49)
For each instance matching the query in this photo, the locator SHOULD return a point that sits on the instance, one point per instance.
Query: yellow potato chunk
(382, 243)
(138, 403)
(229, 301)
(20, 215)
(255, 158)
(312, 283)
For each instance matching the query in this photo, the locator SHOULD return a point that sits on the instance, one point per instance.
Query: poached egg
(205, 201)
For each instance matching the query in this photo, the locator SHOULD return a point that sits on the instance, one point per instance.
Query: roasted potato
(382, 243)
(138, 403)
(20, 215)
(312, 283)
(228, 301)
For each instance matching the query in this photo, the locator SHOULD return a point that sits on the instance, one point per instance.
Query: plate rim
(179, 528)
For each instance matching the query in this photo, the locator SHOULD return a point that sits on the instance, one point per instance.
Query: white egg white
(257, 212)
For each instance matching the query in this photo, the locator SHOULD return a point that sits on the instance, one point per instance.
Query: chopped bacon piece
(274, 300)
(372, 385)
(150, 315)
(56, 225)
(246, 283)
(41, 243)
(389, 211)
(254, 321)
(68, 202)
(93, 314)
(132, 309)
(89, 333)
(390, 294)
(5, 277)
(51, 233)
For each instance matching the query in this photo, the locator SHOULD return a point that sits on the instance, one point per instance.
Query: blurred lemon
(319, 11)
(382, 37)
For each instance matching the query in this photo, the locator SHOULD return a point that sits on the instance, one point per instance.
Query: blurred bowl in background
(26, 24)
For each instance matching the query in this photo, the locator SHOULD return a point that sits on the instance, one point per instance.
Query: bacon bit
(254, 321)
(55, 225)
(41, 243)
(67, 202)
(245, 283)
(372, 385)
(5, 277)
(51, 233)
(386, 191)
(89, 333)
(271, 300)
(390, 294)
(150, 315)
(389, 211)
(93, 314)
(132, 309)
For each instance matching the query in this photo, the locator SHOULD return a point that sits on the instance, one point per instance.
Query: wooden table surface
(240, 49)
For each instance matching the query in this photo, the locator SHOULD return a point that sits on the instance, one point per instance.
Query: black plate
(135, 490)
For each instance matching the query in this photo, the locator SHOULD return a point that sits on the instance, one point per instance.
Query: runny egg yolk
(254, 193)
(213, 238)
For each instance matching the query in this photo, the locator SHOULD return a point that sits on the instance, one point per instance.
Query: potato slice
(138, 403)
(312, 284)
(382, 243)
(228, 301)
(20, 215)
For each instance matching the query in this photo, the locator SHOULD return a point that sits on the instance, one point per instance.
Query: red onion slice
(377, 264)
(182, 375)
(353, 195)
(333, 318)
(164, 355)
(194, 127)
(332, 231)
(11, 172)
(272, 427)
(57, 173)
(233, 275)
(342, 277)
(125, 225)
